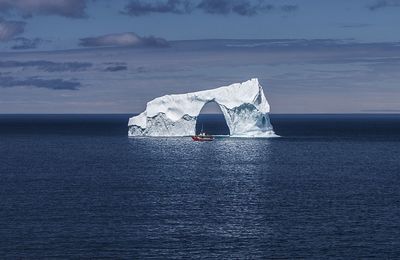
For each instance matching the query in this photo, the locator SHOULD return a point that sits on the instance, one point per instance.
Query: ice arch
(213, 123)
(243, 105)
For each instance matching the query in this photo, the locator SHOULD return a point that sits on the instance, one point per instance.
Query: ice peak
(254, 80)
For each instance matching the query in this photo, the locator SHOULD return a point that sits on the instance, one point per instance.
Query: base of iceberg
(244, 106)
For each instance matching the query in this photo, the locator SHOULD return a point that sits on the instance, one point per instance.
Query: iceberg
(244, 106)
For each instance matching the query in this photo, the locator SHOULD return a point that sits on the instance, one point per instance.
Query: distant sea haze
(382, 110)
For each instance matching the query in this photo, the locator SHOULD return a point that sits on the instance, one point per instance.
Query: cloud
(290, 43)
(355, 25)
(48, 66)
(217, 7)
(10, 29)
(22, 43)
(116, 68)
(379, 4)
(123, 40)
(240, 7)
(27, 8)
(54, 84)
(139, 7)
(289, 8)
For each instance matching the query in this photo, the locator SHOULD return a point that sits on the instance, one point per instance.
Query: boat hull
(202, 138)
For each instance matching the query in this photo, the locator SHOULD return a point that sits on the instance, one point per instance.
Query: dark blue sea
(76, 187)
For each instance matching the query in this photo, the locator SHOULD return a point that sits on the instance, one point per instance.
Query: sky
(99, 56)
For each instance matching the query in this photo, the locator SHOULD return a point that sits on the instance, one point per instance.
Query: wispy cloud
(139, 7)
(22, 43)
(48, 66)
(289, 8)
(10, 29)
(116, 68)
(243, 7)
(54, 84)
(67, 8)
(128, 39)
(379, 4)
(216, 7)
(355, 25)
(289, 43)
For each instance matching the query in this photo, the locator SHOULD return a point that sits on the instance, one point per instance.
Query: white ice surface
(244, 106)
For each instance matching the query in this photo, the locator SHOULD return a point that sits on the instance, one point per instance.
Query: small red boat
(202, 137)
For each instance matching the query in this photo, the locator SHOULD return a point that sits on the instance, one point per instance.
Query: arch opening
(212, 120)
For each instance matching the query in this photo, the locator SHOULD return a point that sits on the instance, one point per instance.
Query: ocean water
(75, 186)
